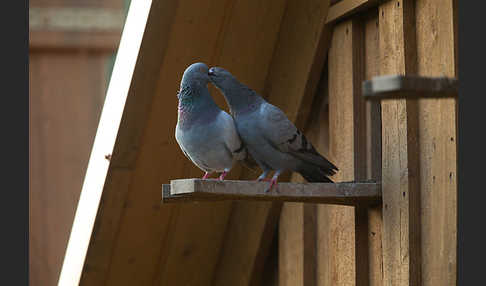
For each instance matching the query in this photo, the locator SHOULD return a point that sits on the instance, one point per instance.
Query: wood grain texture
(401, 204)
(347, 8)
(65, 104)
(336, 225)
(249, 235)
(373, 129)
(329, 193)
(293, 77)
(436, 32)
(291, 245)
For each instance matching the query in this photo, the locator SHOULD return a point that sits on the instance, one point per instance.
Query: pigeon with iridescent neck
(205, 133)
(270, 137)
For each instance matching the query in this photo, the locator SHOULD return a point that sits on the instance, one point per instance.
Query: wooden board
(247, 243)
(347, 8)
(327, 193)
(294, 76)
(336, 224)
(410, 86)
(401, 204)
(436, 50)
(373, 156)
(291, 245)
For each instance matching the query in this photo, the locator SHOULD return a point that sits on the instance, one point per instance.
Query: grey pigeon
(205, 133)
(270, 137)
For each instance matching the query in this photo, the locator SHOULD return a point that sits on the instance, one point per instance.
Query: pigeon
(270, 137)
(205, 133)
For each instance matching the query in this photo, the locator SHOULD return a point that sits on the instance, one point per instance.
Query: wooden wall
(69, 69)
(411, 238)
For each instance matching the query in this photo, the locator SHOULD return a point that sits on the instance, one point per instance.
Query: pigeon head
(195, 74)
(222, 79)
(239, 97)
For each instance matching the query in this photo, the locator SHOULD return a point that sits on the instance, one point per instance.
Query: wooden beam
(400, 177)
(251, 230)
(437, 135)
(346, 8)
(373, 152)
(343, 261)
(400, 86)
(293, 77)
(327, 193)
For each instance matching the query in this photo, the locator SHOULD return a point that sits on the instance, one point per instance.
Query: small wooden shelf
(399, 86)
(348, 193)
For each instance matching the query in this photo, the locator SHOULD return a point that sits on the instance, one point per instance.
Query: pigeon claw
(221, 177)
(206, 175)
(273, 183)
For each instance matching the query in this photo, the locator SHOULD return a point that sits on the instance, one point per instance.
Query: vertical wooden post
(401, 197)
(373, 151)
(437, 56)
(342, 231)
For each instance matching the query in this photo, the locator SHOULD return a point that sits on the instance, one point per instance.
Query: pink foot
(273, 182)
(221, 177)
(206, 175)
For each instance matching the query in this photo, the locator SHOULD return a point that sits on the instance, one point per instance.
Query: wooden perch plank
(400, 86)
(347, 193)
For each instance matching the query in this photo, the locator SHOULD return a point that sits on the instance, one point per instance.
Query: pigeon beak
(211, 71)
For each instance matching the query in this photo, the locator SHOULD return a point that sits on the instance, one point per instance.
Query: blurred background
(72, 47)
